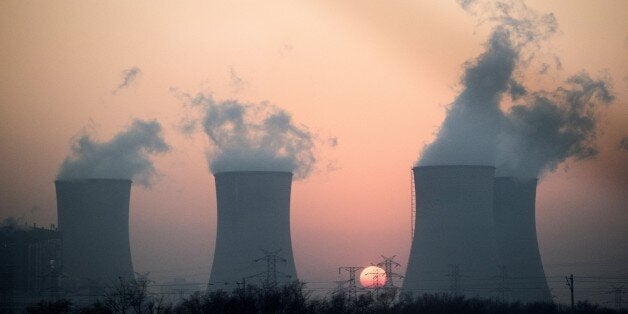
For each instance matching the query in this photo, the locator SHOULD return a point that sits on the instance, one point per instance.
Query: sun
(372, 277)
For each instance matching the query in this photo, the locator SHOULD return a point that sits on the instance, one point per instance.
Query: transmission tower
(502, 287)
(353, 291)
(51, 280)
(375, 280)
(455, 279)
(340, 286)
(617, 292)
(271, 259)
(388, 263)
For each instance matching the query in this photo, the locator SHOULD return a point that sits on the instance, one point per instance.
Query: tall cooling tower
(93, 218)
(253, 225)
(516, 240)
(453, 250)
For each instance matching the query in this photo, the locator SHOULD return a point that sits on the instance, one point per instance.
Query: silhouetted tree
(127, 294)
(54, 307)
(97, 308)
(131, 296)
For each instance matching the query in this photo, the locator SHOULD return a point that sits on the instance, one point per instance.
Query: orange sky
(377, 76)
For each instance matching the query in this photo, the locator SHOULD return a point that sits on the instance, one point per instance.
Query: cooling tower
(93, 218)
(253, 223)
(517, 244)
(453, 249)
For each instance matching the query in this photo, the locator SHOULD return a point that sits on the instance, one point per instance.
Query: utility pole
(353, 291)
(455, 279)
(570, 285)
(271, 259)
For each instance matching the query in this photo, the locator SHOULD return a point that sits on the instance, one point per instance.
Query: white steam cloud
(254, 137)
(538, 133)
(469, 133)
(125, 156)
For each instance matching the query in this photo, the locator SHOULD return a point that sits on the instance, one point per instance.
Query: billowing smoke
(469, 133)
(551, 127)
(254, 137)
(125, 156)
(533, 136)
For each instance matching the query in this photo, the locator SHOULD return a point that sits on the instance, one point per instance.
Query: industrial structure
(517, 246)
(93, 218)
(29, 266)
(253, 244)
(453, 248)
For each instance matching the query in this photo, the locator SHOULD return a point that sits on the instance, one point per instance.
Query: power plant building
(453, 249)
(517, 243)
(93, 218)
(29, 266)
(253, 244)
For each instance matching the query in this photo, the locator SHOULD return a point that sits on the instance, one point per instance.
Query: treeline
(294, 298)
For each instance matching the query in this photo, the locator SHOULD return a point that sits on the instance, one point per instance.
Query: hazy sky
(376, 75)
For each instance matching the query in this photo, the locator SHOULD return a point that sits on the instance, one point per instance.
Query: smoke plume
(469, 133)
(535, 135)
(551, 127)
(125, 156)
(254, 137)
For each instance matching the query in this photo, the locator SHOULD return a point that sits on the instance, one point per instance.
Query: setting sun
(372, 277)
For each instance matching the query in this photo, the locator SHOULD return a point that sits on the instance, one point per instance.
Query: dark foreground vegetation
(294, 298)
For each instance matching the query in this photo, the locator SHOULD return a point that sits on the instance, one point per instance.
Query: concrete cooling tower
(453, 249)
(253, 242)
(518, 250)
(93, 218)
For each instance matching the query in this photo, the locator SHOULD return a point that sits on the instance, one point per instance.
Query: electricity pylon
(353, 291)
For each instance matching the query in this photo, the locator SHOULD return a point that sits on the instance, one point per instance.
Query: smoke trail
(126, 156)
(551, 127)
(128, 77)
(255, 137)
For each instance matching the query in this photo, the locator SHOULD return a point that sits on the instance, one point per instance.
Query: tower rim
(78, 180)
(452, 166)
